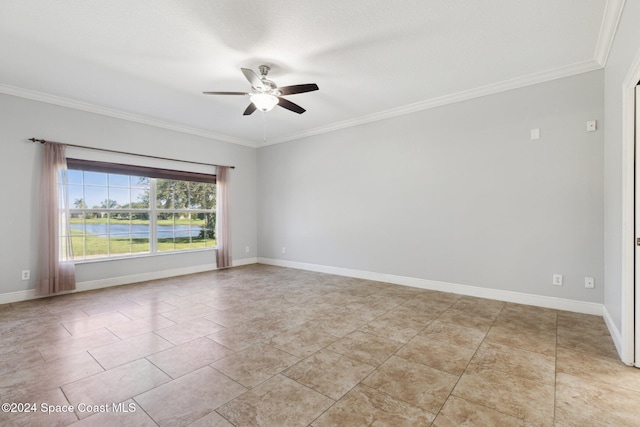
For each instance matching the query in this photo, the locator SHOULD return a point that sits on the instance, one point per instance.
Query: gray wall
(458, 193)
(625, 47)
(19, 167)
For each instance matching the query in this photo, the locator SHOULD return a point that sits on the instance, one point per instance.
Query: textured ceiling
(150, 60)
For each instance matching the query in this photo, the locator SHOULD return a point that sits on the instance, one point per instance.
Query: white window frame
(152, 213)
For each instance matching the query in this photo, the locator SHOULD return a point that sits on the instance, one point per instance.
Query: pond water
(140, 231)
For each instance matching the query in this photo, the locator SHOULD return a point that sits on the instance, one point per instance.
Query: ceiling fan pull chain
(264, 127)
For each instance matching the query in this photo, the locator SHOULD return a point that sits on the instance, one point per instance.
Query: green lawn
(94, 246)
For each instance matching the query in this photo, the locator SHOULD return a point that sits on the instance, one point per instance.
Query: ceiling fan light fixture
(264, 101)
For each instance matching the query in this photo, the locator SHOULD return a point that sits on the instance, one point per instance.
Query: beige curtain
(56, 271)
(223, 253)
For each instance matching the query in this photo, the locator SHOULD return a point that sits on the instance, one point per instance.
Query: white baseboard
(29, 294)
(616, 335)
(497, 294)
(244, 261)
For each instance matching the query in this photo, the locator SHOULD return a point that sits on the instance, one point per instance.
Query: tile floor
(270, 346)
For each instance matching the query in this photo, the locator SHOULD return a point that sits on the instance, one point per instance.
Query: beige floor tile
(301, 313)
(76, 327)
(233, 317)
(364, 406)
(523, 317)
(279, 401)
(381, 302)
(531, 310)
(67, 314)
(329, 373)
(435, 306)
(104, 307)
(140, 325)
(18, 338)
(240, 337)
(454, 334)
(522, 398)
(127, 413)
(410, 334)
(20, 358)
(228, 302)
(79, 343)
(302, 342)
(212, 420)
(525, 364)
(189, 398)
(147, 309)
(597, 368)
(418, 315)
(412, 382)
(126, 351)
(366, 311)
(185, 313)
(189, 330)
(581, 322)
(393, 328)
(336, 325)
(581, 402)
(356, 312)
(437, 296)
(459, 412)
(587, 341)
(189, 300)
(468, 320)
(26, 383)
(441, 355)
(255, 365)
(188, 357)
(538, 342)
(405, 292)
(479, 307)
(115, 385)
(340, 299)
(366, 348)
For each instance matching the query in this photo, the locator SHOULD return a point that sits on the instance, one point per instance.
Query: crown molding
(104, 111)
(608, 28)
(519, 82)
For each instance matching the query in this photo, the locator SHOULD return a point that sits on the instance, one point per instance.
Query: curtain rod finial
(41, 141)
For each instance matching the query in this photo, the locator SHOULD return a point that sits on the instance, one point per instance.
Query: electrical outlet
(591, 126)
(535, 134)
(589, 282)
(246, 249)
(26, 274)
(284, 250)
(557, 279)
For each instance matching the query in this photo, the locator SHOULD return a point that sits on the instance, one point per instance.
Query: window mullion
(153, 217)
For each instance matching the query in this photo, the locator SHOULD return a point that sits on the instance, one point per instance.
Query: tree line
(170, 195)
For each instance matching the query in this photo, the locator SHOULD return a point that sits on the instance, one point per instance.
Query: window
(121, 210)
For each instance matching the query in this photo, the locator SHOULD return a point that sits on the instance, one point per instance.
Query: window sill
(142, 255)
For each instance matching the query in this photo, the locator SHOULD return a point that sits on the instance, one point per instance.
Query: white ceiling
(150, 60)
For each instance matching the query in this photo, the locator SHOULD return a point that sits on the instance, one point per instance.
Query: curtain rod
(42, 141)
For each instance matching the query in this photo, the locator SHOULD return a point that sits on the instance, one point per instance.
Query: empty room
(329, 213)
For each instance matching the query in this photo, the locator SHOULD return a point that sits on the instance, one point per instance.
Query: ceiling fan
(265, 94)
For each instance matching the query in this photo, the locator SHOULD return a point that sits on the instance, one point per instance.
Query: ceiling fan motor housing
(265, 94)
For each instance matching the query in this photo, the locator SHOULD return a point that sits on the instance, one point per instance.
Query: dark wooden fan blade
(253, 78)
(285, 103)
(250, 109)
(225, 93)
(290, 90)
